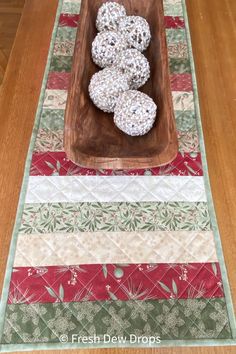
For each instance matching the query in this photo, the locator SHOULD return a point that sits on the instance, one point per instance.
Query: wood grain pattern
(212, 23)
(91, 137)
(10, 13)
(19, 96)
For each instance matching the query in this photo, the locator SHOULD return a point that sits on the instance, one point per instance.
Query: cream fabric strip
(115, 247)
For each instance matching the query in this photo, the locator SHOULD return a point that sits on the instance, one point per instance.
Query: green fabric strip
(173, 8)
(66, 34)
(174, 35)
(179, 66)
(169, 319)
(144, 216)
(52, 119)
(61, 63)
(71, 7)
(185, 120)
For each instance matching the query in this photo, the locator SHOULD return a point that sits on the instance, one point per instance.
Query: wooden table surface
(213, 32)
(10, 13)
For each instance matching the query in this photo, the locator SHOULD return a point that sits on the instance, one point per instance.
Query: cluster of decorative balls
(117, 49)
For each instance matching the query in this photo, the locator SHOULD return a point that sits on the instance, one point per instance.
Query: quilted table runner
(103, 258)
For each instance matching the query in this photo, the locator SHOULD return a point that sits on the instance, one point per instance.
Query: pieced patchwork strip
(56, 163)
(61, 80)
(56, 99)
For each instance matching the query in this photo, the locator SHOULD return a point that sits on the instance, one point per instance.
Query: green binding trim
(11, 255)
(167, 343)
(215, 228)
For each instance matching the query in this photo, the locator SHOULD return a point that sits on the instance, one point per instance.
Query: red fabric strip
(57, 164)
(106, 282)
(181, 82)
(69, 20)
(174, 22)
(58, 81)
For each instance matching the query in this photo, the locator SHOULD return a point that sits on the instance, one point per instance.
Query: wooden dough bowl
(91, 138)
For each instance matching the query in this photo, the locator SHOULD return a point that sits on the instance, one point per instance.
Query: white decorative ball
(136, 30)
(109, 16)
(106, 46)
(105, 87)
(135, 113)
(135, 65)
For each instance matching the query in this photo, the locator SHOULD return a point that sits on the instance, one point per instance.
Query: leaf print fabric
(142, 216)
(47, 140)
(178, 50)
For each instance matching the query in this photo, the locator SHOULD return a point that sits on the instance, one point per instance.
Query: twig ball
(109, 15)
(136, 30)
(135, 113)
(106, 47)
(105, 87)
(135, 65)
